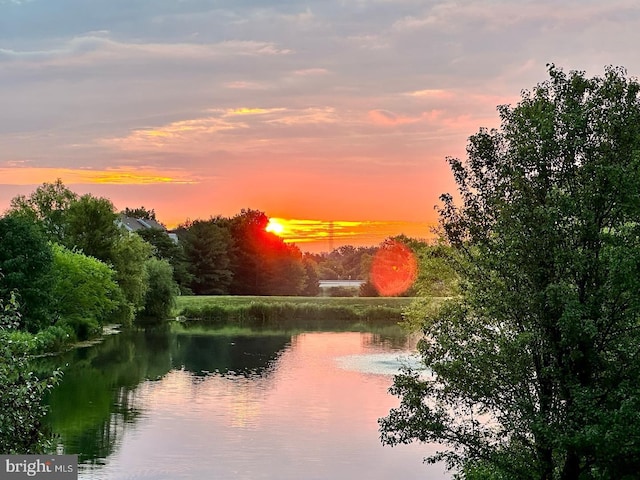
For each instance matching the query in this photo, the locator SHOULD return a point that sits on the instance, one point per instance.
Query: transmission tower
(331, 234)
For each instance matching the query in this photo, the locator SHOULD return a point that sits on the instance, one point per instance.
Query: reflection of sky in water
(390, 363)
(310, 414)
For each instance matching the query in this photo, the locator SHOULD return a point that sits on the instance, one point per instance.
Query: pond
(198, 403)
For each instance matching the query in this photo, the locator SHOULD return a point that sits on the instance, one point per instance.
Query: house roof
(133, 224)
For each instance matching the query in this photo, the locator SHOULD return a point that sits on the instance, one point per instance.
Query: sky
(331, 115)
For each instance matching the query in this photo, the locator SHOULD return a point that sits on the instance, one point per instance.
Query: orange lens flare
(394, 269)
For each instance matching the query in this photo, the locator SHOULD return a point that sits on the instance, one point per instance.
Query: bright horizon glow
(275, 226)
(314, 235)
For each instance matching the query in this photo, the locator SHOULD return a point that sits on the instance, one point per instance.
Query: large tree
(48, 204)
(534, 370)
(92, 227)
(206, 245)
(26, 261)
(262, 263)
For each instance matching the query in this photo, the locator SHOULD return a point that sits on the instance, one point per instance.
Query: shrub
(160, 297)
(85, 291)
(54, 338)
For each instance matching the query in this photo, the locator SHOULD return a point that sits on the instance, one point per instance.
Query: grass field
(236, 301)
(290, 311)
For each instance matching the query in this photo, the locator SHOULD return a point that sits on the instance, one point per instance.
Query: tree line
(75, 268)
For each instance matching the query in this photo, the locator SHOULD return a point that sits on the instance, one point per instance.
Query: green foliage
(207, 247)
(130, 255)
(160, 298)
(25, 264)
(295, 313)
(342, 291)
(357, 303)
(311, 286)
(536, 365)
(92, 227)
(289, 314)
(85, 291)
(438, 267)
(48, 205)
(21, 410)
(54, 339)
(166, 249)
(345, 263)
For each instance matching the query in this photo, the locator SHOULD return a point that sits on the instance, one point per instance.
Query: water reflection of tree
(243, 355)
(392, 337)
(97, 399)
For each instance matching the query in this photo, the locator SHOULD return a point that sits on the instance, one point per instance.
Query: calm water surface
(210, 404)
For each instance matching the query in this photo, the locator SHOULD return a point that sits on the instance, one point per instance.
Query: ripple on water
(390, 363)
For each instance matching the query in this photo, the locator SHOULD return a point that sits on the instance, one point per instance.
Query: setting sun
(275, 226)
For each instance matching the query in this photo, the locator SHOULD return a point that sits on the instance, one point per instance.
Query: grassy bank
(291, 311)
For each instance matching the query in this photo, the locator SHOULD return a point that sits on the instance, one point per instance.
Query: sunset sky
(311, 111)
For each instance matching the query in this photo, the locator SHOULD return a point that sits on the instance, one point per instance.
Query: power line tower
(331, 235)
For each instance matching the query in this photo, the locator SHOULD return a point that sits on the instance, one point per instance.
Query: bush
(83, 327)
(85, 291)
(54, 338)
(21, 409)
(342, 292)
(160, 297)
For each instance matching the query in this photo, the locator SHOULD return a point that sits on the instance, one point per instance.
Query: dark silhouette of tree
(262, 263)
(140, 212)
(207, 245)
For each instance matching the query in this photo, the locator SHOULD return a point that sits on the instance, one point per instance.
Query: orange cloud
(252, 111)
(181, 132)
(112, 176)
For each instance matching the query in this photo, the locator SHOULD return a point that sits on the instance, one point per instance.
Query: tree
(160, 297)
(92, 227)
(140, 212)
(285, 271)
(25, 265)
(48, 204)
(437, 276)
(207, 244)
(312, 283)
(248, 230)
(129, 256)
(262, 263)
(536, 365)
(85, 291)
(166, 249)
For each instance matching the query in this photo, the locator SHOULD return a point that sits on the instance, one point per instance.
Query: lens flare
(394, 269)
